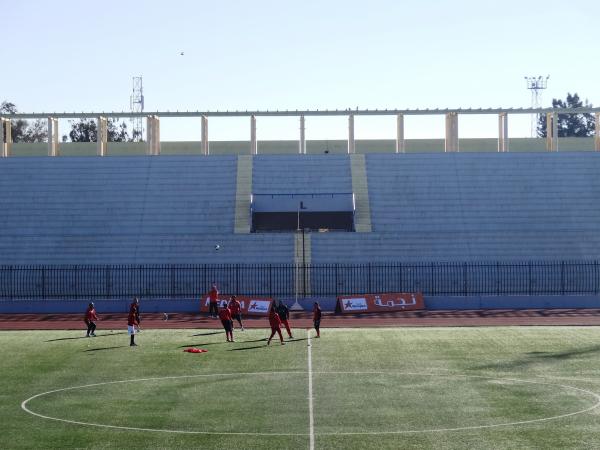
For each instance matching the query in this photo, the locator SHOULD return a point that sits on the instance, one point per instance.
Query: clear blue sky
(267, 54)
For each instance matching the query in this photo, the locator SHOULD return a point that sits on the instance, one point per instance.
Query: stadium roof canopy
(298, 112)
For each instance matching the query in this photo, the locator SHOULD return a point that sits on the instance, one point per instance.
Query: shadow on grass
(253, 340)
(536, 357)
(84, 337)
(208, 334)
(246, 348)
(203, 344)
(105, 348)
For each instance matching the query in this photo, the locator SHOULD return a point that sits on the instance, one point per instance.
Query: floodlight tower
(137, 106)
(536, 85)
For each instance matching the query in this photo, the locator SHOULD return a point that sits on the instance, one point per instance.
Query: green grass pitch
(479, 388)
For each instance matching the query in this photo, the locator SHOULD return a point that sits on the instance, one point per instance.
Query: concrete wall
(191, 305)
(290, 147)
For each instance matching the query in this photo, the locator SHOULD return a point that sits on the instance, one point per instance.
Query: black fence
(190, 281)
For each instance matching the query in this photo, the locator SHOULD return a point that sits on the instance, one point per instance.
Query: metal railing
(279, 280)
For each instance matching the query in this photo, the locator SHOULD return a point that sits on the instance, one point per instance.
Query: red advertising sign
(251, 306)
(367, 303)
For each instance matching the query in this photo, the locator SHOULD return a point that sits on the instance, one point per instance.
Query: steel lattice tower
(137, 106)
(536, 85)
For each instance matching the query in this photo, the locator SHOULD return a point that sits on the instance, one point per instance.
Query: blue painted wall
(327, 304)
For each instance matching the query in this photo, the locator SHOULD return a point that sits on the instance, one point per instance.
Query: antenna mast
(137, 106)
(536, 85)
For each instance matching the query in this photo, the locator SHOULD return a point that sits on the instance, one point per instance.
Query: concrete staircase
(242, 194)
(303, 259)
(360, 187)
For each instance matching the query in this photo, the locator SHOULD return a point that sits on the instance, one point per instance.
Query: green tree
(36, 131)
(22, 130)
(86, 130)
(569, 125)
(17, 126)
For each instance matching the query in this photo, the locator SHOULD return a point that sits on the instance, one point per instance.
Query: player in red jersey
(213, 305)
(90, 318)
(225, 316)
(284, 315)
(133, 320)
(317, 318)
(275, 323)
(236, 310)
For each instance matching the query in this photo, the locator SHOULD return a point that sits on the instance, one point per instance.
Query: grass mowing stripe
(34, 362)
(310, 398)
(76, 422)
(472, 427)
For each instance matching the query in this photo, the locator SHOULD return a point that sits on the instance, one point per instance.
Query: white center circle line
(24, 404)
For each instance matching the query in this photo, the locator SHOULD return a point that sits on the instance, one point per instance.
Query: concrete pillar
(204, 143)
(102, 136)
(502, 132)
(400, 143)
(302, 148)
(552, 131)
(2, 146)
(555, 132)
(451, 144)
(351, 143)
(157, 136)
(153, 136)
(597, 133)
(53, 140)
(149, 134)
(548, 131)
(253, 143)
(5, 143)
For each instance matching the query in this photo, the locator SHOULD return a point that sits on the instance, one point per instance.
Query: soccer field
(495, 387)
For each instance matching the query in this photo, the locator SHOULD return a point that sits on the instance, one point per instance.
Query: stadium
(444, 245)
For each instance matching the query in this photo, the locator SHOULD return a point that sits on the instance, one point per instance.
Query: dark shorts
(227, 325)
(237, 317)
(317, 323)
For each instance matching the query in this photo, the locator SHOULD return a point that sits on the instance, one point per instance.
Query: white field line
(116, 427)
(311, 423)
(312, 434)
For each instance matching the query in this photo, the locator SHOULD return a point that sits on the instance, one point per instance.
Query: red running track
(445, 318)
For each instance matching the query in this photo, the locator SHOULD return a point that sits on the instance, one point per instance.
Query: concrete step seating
(465, 207)
(424, 207)
(284, 174)
(125, 210)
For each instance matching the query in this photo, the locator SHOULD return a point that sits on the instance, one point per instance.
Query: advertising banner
(368, 303)
(251, 306)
